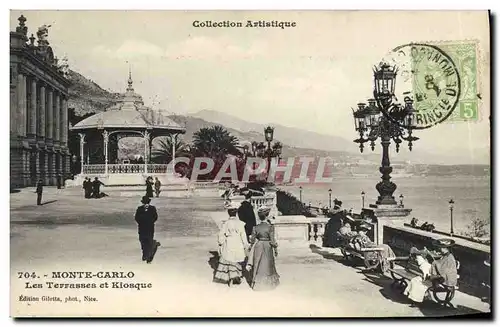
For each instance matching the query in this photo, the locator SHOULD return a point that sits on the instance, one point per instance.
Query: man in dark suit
(96, 188)
(146, 216)
(39, 191)
(247, 215)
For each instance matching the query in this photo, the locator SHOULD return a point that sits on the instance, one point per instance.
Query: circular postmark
(429, 77)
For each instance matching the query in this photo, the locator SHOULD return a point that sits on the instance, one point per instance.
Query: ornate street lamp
(300, 194)
(384, 119)
(268, 133)
(451, 202)
(275, 150)
(362, 199)
(330, 198)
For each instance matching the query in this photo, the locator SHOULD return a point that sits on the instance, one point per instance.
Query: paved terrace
(72, 233)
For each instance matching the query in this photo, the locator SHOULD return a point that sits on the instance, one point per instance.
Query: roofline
(121, 127)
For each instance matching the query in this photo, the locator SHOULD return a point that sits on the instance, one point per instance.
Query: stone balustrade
(100, 169)
(317, 228)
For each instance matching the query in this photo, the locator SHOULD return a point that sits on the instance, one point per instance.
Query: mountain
(287, 135)
(86, 97)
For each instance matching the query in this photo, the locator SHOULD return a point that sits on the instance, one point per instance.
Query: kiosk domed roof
(129, 113)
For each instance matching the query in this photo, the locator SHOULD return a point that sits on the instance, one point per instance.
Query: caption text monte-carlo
(248, 23)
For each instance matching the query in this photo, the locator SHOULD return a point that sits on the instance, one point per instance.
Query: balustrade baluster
(311, 232)
(320, 233)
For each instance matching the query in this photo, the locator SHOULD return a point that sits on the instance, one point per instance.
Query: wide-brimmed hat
(146, 199)
(443, 243)
(231, 205)
(365, 226)
(264, 210)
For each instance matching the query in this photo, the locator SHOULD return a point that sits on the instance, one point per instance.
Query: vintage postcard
(250, 163)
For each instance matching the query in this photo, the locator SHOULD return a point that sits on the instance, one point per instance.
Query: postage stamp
(465, 55)
(430, 77)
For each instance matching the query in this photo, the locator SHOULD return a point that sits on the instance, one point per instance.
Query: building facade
(38, 110)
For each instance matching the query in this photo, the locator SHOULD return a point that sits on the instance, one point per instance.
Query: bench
(372, 257)
(409, 269)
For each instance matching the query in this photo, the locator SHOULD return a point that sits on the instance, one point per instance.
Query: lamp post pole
(363, 199)
(300, 194)
(330, 198)
(451, 216)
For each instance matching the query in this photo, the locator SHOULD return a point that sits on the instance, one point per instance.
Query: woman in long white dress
(233, 247)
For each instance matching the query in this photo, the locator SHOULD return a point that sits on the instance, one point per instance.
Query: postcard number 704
(26, 275)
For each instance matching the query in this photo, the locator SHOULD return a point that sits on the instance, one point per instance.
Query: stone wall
(472, 270)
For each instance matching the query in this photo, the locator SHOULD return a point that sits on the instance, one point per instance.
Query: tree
(162, 151)
(478, 228)
(215, 142)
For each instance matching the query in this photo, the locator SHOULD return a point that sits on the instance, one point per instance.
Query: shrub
(478, 227)
(289, 205)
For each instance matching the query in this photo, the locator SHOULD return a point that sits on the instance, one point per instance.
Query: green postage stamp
(465, 56)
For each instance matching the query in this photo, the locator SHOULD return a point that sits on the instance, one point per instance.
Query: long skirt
(227, 270)
(264, 274)
(416, 289)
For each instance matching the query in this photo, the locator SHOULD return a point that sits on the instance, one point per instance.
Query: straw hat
(443, 243)
(264, 211)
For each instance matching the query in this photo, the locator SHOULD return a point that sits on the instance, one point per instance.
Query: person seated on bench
(443, 270)
(416, 288)
(346, 231)
(362, 241)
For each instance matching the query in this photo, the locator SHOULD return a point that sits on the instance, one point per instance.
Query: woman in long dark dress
(149, 187)
(261, 260)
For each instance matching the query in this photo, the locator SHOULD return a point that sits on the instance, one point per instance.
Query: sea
(428, 197)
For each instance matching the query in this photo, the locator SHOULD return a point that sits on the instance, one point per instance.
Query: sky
(308, 76)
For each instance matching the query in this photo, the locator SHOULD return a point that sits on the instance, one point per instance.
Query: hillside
(288, 135)
(87, 97)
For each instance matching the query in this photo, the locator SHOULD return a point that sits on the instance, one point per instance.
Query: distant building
(38, 110)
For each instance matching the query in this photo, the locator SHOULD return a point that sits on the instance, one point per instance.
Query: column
(146, 147)
(57, 109)
(64, 121)
(41, 116)
(105, 137)
(54, 168)
(21, 105)
(32, 109)
(46, 169)
(82, 143)
(37, 160)
(174, 139)
(50, 115)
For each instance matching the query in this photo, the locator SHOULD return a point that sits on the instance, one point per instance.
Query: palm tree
(215, 142)
(162, 152)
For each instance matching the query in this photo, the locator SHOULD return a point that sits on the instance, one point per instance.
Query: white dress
(416, 289)
(233, 240)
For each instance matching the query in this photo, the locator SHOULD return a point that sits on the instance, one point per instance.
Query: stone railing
(317, 228)
(471, 255)
(97, 169)
(265, 200)
(200, 185)
(126, 169)
(157, 168)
